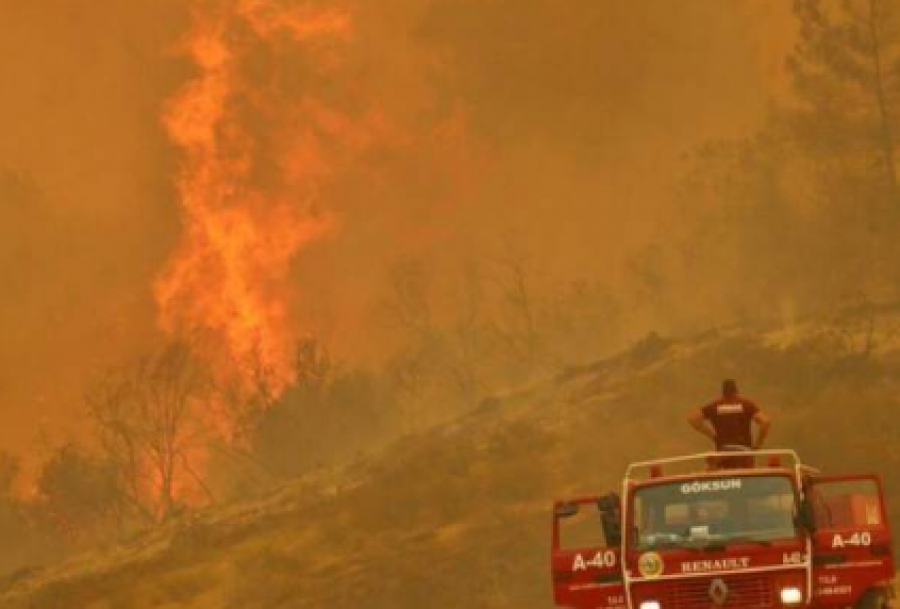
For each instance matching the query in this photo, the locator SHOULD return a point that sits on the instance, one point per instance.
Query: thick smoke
(545, 128)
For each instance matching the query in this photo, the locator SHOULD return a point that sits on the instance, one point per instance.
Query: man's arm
(764, 423)
(698, 421)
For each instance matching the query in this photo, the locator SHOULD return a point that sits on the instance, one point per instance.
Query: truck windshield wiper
(721, 544)
(666, 545)
(684, 543)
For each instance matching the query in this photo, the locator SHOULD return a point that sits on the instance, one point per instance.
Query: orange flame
(227, 286)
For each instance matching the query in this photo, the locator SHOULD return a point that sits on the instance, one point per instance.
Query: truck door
(585, 554)
(852, 552)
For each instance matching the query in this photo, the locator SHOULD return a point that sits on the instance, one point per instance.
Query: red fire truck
(719, 531)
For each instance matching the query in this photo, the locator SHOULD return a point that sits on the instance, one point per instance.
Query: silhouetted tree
(805, 213)
(846, 70)
(517, 321)
(82, 494)
(145, 418)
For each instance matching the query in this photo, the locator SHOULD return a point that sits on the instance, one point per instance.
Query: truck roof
(715, 473)
(691, 467)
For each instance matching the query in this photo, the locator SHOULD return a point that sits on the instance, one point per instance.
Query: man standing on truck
(728, 421)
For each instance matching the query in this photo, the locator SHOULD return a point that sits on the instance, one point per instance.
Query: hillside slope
(458, 516)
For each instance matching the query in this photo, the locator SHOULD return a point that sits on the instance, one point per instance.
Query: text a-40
(602, 559)
(854, 540)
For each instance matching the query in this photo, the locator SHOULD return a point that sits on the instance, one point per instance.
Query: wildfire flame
(249, 194)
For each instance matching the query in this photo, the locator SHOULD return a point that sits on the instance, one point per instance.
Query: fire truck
(720, 530)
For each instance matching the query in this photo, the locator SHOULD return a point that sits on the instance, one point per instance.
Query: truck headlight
(791, 596)
(650, 605)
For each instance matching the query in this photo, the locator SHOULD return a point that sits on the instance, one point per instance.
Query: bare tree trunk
(886, 131)
(523, 332)
(145, 421)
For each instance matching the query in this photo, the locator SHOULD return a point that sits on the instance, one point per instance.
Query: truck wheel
(873, 599)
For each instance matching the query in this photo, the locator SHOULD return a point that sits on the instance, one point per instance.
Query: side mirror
(613, 533)
(611, 516)
(806, 517)
(608, 503)
(566, 510)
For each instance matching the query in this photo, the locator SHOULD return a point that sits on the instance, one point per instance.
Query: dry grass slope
(457, 517)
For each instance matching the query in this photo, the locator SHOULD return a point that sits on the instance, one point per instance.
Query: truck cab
(716, 531)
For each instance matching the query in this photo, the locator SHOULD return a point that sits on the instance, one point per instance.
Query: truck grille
(751, 591)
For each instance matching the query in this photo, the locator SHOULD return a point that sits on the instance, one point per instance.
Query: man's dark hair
(729, 388)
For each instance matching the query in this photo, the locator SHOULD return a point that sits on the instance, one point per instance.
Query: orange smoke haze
(314, 143)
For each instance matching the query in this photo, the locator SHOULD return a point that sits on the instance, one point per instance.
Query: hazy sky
(561, 124)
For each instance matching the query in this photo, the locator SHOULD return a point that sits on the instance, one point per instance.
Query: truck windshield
(714, 511)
